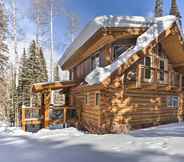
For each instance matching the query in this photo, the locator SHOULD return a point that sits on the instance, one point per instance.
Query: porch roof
(41, 87)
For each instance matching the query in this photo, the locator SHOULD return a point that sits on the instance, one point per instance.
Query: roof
(104, 22)
(159, 25)
(154, 27)
(41, 87)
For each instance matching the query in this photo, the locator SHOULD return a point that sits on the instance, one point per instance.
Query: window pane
(118, 50)
(147, 64)
(97, 98)
(95, 61)
(175, 101)
(162, 70)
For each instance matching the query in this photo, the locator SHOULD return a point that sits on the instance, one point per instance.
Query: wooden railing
(33, 116)
(171, 78)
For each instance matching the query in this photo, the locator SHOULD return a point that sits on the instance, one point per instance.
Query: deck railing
(170, 78)
(58, 114)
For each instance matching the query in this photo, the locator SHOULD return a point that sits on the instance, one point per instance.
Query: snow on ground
(164, 143)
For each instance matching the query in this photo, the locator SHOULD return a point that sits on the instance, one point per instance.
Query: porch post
(23, 119)
(181, 108)
(65, 116)
(180, 82)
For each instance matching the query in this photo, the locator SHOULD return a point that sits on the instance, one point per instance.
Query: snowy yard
(163, 143)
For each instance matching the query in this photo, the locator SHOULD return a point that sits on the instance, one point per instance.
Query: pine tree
(22, 80)
(174, 9)
(33, 70)
(159, 8)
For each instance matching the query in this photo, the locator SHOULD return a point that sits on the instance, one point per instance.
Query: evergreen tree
(175, 10)
(159, 8)
(22, 81)
(33, 70)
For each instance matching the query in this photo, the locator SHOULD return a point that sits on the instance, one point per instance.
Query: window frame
(165, 60)
(162, 80)
(173, 101)
(115, 56)
(87, 99)
(94, 58)
(97, 100)
(151, 72)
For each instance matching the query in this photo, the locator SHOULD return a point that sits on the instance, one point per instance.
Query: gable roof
(157, 27)
(154, 28)
(104, 22)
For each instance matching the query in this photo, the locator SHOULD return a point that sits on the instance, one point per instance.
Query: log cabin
(125, 73)
(128, 73)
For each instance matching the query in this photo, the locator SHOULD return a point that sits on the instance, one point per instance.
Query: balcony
(155, 78)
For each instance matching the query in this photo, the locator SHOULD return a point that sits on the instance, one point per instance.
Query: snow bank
(158, 26)
(66, 132)
(5, 129)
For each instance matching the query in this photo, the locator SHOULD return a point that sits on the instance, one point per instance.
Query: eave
(102, 37)
(42, 87)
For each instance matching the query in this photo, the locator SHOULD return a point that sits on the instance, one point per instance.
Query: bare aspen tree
(3, 62)
(15, 34)
(73, 25)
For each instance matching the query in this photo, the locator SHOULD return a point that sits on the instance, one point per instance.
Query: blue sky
(88, 9)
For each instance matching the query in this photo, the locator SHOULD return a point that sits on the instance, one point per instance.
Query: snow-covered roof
(102, 22)
(158, 25)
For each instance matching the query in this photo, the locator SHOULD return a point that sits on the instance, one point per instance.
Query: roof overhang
(98, 41)
(42, 87)
(102, 23)
(165, 29)
(174, 48)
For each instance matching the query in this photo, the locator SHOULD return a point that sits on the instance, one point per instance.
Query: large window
(147, 64)
(95, 61)
(173, 101)
(117, 51)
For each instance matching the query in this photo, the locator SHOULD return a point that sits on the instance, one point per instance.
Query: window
(95, 61)
(97, 99)
(147, 64)
(162, 70)
(86, 99)
(118, 50)
(173, 101)
(72, 74)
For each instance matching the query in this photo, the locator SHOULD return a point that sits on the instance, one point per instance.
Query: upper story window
(147, 64)
(95, 61)
(72, 74)
(162, 70)
(117, 51)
